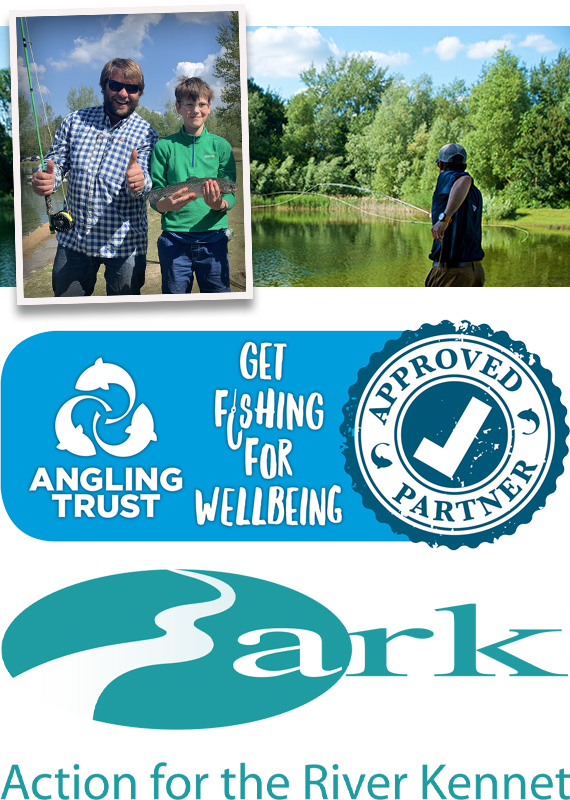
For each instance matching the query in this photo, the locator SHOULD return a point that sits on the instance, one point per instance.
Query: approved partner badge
(454, 434)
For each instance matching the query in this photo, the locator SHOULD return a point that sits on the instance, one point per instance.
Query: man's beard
(111, 109)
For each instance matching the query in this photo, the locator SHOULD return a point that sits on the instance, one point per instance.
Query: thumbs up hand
(43, 181)
(135, 175)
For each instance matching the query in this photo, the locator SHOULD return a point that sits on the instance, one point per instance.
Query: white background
(494, 724)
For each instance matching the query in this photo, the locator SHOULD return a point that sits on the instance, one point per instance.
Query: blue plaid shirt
(110, 220)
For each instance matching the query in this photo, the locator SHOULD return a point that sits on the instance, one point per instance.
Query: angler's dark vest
(462, 239)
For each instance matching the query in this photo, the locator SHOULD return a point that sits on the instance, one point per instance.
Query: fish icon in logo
(176, 649)
(100, 375)
(73, 438)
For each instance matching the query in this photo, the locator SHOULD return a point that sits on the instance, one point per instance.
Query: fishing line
(62, 220)
(344, 202)
(345, 186)
(364, 211)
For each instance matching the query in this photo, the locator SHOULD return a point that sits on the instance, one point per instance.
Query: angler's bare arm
(457, 195)
(175, 201)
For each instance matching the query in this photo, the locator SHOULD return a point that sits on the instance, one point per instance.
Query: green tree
(542, 161)
(549, 84)
(496, 105)
(339, 101)
(267, 117)
(28, 136)
(451, 102)
(542, 164)
(381, 154)
(423, 100)
(227, 67)
(154, 118)
(6, 174)
(83, 97)
(5, 103)
(171, 117)
(445, 129)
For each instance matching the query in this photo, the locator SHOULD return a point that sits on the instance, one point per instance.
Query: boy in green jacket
(194, 238)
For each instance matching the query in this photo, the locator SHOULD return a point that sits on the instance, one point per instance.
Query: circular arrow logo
(454, 434)
(73, 438)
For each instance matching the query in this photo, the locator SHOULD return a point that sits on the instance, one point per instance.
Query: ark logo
(175, 649)
(73, 438)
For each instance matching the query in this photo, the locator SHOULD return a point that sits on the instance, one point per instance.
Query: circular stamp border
(459, 331)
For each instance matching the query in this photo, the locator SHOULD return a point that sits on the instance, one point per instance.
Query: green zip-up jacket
(180, 156)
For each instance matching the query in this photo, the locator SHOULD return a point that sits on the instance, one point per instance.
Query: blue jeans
(75, 274)
(181, 258)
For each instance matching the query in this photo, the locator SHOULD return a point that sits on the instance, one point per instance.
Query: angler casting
(456, 214)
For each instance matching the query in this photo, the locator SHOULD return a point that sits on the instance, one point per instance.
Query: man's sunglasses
(116, 86)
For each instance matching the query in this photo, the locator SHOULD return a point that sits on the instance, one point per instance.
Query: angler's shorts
(181, 258)
(468, 274)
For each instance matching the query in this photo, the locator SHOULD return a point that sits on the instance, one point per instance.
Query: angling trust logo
(454, 434)
(180, 649)
(87, 426)
(74, 439)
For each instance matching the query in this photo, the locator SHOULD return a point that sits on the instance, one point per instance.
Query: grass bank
(551, 219)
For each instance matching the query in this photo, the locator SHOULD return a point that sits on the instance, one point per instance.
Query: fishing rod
(61, 221)
(350, 186)
(388, 197)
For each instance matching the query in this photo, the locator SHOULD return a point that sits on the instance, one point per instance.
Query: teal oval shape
(177, 649)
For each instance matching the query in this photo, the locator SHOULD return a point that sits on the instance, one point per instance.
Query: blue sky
(277, 54)
(4, 48)
(71, 50)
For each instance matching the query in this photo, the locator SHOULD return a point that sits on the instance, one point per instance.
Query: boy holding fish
(194, 238)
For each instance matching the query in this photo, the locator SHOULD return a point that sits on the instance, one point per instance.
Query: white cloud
(283, 52)
(487, 49)
(539, 42)
(448, 48)
(390, 59)
(123, 41)
(203, 17)
(24, 83)
(198, 69)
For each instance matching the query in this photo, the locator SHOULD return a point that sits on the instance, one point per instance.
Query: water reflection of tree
(6, 175)
(310, 249)
(7, 254)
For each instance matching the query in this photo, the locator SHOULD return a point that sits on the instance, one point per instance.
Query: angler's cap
(452, 154)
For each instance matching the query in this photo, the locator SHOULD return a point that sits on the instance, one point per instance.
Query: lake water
(34, 211)
(7, 254)
(315, 248)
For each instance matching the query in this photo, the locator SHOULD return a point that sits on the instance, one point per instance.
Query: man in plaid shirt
(104, 152)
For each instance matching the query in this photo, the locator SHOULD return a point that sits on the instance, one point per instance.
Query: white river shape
(76, 681)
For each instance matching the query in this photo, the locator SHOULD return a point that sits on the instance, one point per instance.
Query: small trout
(195, 185)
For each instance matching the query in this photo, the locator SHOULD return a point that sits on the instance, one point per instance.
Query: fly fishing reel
(61, 222)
